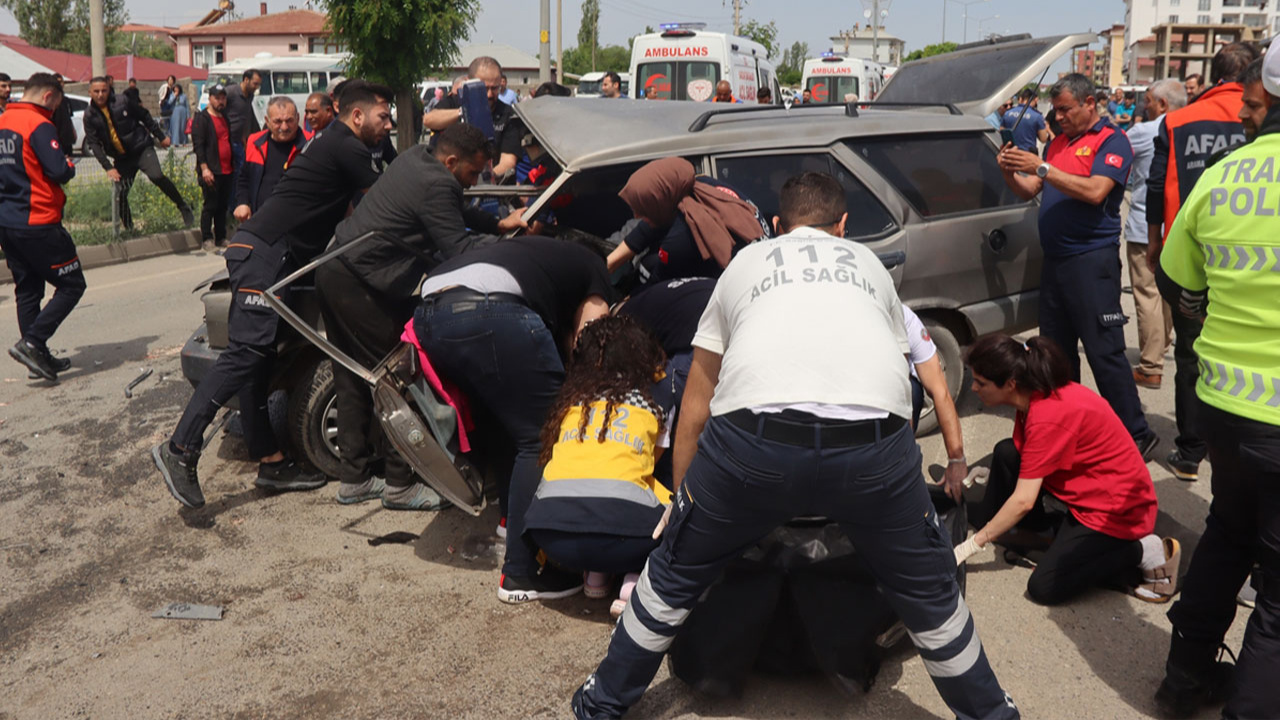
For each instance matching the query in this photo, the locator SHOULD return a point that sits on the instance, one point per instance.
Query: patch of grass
(87, 215)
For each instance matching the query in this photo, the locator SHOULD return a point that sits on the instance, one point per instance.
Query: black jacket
(420, 203)
(66, 130)
(134, 126)
(204, 141)
(240, 115)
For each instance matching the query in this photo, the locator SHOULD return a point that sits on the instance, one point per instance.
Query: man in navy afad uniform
(777, 424)
(1081, 182)
(287, 232)
(37, 249)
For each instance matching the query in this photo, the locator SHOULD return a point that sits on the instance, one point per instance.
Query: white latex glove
(966, 549)
(662, 524)
(977, 476)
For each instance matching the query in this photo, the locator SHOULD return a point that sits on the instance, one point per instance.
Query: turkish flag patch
(1114, 161)
(663, 257)
(55, 145)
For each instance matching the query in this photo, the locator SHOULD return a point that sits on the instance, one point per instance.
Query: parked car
(922, 184)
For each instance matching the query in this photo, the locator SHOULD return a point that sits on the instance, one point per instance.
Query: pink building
(293, 32)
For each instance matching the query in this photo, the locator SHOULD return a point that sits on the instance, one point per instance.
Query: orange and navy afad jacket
(1188, 138)
(255, 157)
(33, 168)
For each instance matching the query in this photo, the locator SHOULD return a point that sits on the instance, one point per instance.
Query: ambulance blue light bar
(683, 26)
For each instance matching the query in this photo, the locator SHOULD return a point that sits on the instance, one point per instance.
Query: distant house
(293, 32)
(21, 60)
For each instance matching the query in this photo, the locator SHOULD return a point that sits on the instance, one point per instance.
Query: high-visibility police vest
(1227, 239)
(605, 486)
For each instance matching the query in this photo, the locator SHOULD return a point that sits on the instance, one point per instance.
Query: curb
(95, 256)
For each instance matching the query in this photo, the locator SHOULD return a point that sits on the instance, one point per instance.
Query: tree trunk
(406, 120)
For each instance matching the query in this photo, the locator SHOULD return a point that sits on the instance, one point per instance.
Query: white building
(1141, 16)
(857, 43)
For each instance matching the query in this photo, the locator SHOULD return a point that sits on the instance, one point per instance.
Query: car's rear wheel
(952, 359)
(313, 418)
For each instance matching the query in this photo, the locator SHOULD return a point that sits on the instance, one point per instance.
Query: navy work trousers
(502, 356)
(36, 256)
(1243, 527)
(1186, 374)
(1080, 304)
(244, 368)
(739, 488)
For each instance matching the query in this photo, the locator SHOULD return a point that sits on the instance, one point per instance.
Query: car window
(760, 178)
(319, 81)
(680, 80)
(833, 89)
(940, 174)
(75, 105)
(289, 83)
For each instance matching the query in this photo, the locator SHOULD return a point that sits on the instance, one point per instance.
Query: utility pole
(737, 15)
(544, 43)
(875, 30)
(560, 41)
(944, 20)
(97, 39)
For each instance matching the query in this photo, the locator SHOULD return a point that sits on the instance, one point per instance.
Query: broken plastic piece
(128, 389)
(187, 611)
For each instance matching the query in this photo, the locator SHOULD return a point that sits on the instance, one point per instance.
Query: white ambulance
(684, 62)
(838, 79)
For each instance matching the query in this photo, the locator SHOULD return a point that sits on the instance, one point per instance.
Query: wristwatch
(1043, 170)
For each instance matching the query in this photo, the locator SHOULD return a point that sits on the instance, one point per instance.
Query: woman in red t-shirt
(1067, 442)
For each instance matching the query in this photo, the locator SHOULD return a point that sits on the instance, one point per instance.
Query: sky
(918, 22)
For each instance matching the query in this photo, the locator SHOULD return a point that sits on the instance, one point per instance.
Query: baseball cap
(1271, 69)
(218, 89)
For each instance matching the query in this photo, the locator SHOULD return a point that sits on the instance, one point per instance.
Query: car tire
(952, 358)
(313, 418)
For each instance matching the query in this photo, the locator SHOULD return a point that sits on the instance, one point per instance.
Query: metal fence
(92, 210)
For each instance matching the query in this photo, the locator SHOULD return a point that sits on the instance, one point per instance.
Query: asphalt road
(320, 624)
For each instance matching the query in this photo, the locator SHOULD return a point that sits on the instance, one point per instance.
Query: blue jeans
(503, 357)
(740, 487)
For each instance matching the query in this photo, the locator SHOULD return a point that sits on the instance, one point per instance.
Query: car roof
(582, 134)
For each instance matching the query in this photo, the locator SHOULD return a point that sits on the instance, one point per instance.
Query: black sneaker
(1182, 468)
(37, 359)
(1147, 446)
(60, 364)
(1181, 694)
(550, 584)
(188, 217)
(179, 472)
(288, 475)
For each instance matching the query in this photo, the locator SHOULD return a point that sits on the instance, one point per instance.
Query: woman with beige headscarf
(686, 226)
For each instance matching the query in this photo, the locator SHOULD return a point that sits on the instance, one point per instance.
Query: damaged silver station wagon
(918, 167)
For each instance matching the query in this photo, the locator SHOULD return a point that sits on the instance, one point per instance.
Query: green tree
(139, 44)
(931, 50)
(399, 43)
(589, 29)
(62, 24)
(764, 33)
(611, 57)
(631, 41)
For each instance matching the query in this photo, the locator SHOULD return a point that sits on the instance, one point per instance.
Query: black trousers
(1079, 557)
(244, 368)
(1187, 372)
(36, 256)
(1080, 304)
(1243, 527)
(146, 161)
(366, 326)
(594, 552)
(217, 203)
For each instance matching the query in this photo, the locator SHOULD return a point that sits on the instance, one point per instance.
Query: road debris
(128, 389)
(187, 611)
